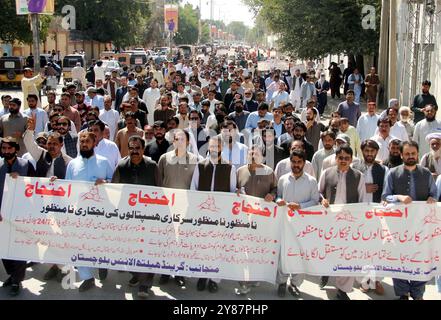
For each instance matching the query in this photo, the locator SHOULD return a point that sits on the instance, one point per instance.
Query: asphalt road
(115, 287)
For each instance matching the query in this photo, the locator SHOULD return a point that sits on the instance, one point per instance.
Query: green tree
(188, 25)
(238, 29)
(122, 22)
(17, 28)
(315, 28)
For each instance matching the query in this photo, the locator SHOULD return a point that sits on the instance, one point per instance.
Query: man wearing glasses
(70, 141)
(342, 185)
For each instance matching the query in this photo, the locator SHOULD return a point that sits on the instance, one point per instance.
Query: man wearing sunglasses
(70, 140)
(342, 185)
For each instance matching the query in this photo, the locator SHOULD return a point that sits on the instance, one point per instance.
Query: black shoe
(404, 298)
(323, 282)
(134, 281)
(102, 274)
(87, 285)
(180, 281)
(164, 279)
(212, 286)
(60, 276)
(202, 284)
(143, 292)
(53, 273)
(342, 295)
(7, 283)
(294, 291)
(281, 291)
(15, 290)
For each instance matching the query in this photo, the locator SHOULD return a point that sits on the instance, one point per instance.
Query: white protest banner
(141, 229)
(364, 240)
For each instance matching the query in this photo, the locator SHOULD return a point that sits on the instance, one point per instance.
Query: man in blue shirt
(93, 168)
(261, 113)
(350, 109)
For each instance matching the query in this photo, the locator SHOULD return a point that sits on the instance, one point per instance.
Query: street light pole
(35, 23)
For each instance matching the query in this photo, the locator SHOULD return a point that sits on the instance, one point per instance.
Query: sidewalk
(116, 288)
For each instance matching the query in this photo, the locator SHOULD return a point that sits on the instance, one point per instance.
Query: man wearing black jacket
(299, 133)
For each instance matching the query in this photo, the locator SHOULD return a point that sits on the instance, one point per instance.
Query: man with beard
(205, 111)
(406, 121)
(297, 190)
(123, 135)
(70, 140)
(374, 174)
(405, 184)
(151, 97)
(367, 124)
(397, 130)
(257, 180)
(239, 115)
(120, 93)
(160, 146)
(250, 104)
(139, 114)
(139, 170)
(342, 185)
(51, 98)
(272, 153)
(425, 127)
(212, 174)
(233, 152)
(14, 124)
(295, 84)
(11, 164)
(277, 123)
(104, 147)
(40, 116)
(93, 168)
(284, 166)
(165, 112)
(299, 133)
(69, 111)
(350, 109)
(29, 84)
(422, 100)
(110, 117)
(176, 170)
(383, 138)
(328, 141)
(394, 159)
(289, 123)
(313, 128)
(81, 107)
(432, 160)
(5, 102)
(51, 163)
(229, 96)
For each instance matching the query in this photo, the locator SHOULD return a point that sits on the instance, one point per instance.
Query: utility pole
(383, 57)
(392, 81)
(200, 23)
(35, 23)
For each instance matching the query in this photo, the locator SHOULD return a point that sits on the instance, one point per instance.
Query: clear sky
(226, 10)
